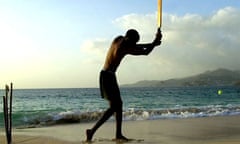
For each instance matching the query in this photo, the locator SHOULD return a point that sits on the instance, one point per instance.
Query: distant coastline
(219, 77)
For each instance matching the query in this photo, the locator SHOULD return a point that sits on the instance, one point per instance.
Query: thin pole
(5, 115)
(7, 106)
(10, 113)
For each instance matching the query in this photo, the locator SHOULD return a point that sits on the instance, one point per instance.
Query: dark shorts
(109, 86)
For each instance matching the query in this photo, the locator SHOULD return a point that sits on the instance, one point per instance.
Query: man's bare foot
(89, 134)
(121, 138)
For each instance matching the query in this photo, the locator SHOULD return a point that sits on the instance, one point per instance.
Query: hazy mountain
(219, 77)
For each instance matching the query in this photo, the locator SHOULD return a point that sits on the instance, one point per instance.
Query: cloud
(94, 50)
(204, 42)
(191, 44)
(143, 23)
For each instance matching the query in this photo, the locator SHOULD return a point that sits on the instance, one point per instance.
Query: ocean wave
(209, 111)
(130, 114)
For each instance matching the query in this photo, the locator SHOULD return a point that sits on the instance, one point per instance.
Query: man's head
(132, 35)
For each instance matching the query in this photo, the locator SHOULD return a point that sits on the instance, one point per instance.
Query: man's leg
(105, 117)
(118, 116)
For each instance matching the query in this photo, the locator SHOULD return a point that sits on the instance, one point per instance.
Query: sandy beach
(211, 130)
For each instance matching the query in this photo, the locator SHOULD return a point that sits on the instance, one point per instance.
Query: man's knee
(117, 105)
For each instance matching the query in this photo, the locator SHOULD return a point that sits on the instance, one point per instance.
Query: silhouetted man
(120, 47)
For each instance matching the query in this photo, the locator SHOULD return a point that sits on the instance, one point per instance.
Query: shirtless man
(120, 47)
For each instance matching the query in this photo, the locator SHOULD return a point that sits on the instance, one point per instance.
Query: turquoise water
(43, 107)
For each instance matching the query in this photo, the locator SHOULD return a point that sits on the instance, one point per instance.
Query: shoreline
(206, 130)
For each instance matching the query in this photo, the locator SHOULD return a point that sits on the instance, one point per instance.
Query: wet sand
(211, 130)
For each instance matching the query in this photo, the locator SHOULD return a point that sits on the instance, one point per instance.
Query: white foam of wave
(133, 114)
(209, 111)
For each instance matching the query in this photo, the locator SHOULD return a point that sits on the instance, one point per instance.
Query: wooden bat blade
(159, 13)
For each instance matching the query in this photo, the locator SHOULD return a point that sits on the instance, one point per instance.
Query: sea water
(44, 107)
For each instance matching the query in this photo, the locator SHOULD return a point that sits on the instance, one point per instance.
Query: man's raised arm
(145, 49)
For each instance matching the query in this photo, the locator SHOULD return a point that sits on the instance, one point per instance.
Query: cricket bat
(159, 14)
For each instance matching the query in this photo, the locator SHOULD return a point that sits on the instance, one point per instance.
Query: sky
(63, 43)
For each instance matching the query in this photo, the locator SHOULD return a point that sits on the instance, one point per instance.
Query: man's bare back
(114, 55)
